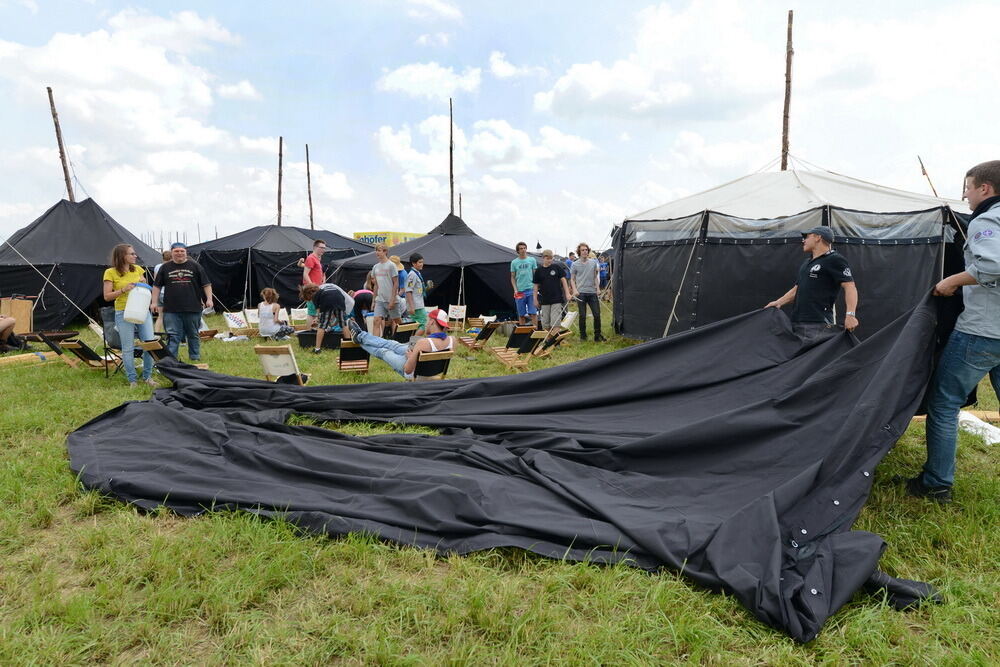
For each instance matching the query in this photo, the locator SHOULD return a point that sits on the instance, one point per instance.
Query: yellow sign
(388, 238)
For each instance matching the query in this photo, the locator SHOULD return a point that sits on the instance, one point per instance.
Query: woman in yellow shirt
(119, 280)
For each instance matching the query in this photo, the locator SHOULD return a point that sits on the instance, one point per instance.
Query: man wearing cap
(190, 292)
(400, 356)
(821, 277)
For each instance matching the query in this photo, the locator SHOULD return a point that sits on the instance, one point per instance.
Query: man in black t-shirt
(551, 289)
(820, 278)
(190, 292)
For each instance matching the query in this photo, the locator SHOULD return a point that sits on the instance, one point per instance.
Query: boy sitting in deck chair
(401, 357)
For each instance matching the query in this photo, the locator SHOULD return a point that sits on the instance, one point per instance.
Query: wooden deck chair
(159, 351)
(432, 365)
(353, 358)
(52, 340)
(552, 340)
(518, 357)
(237, 324)
(279, 363)
(112, 354)
(404, 332)
(252, 316)
(299, 319)
(517, 336)
(476, 322)
(87, 354)
(479, 341)
(456, 318)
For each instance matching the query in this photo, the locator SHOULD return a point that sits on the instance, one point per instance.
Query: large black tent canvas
(736, 247)
(457, 260)
(70, 245)
(734, 453)
(242, 264)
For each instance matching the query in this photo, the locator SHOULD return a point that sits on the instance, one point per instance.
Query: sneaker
(600, 339)
(317, 350)
(132, 385)
(915, 487)
(354, 328)
(151, 382)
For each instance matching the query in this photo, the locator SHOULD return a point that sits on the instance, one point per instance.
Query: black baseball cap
(824, 233)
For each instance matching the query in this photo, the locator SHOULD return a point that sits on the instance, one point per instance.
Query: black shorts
(330, 318)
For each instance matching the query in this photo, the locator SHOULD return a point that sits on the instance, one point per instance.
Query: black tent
(734, 453)
(242, 264)
(465, 268)
(70, 245)
(736, 247)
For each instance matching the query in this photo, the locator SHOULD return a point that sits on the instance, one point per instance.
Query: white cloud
(126, 186)
(503, 186)
(501, 68)
(332, 186)
(433, 39)
(244, 90)
(397, 146)
(427, 9)
(430, 80)
(262, 144)
(180, 162)
(498, 146)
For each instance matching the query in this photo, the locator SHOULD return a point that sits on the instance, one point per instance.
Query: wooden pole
(281, 142)
(451, 154)
(460, 204)
(923, 171)
(788, 95)
(62, 149)
(309, 188)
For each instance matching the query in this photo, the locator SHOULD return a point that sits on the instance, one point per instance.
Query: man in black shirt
(551, 290)
(820, 279)
(190, 292)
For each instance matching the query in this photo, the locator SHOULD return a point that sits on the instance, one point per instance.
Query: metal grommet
(866, 473)
(795, 544)
(836, 502)
(814, 591)
(805, 532)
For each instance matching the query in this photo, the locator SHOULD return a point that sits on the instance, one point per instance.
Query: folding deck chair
(238, 325)
(89, 356)
(353, 358)
(278, 362)
(518, 357)
(479, 341)
(432, 365)
(404, 332)
(299, 318)
(159, 351)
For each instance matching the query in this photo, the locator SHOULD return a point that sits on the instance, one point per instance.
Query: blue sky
(569, 116)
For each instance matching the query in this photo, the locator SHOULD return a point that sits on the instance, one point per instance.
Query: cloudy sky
(569, 116)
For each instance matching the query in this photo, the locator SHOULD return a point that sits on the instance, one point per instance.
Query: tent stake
(788, 95)
(309, 189)
(62, 149)
(280, 146)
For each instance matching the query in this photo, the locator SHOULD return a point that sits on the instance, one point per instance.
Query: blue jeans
(128, 333)
(389, 351)
(180, 326)
(965, 361)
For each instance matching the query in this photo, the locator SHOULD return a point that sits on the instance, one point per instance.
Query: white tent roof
(781, 193)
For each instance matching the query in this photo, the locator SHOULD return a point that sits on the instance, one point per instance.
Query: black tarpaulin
(732, 453)
(69, 246)
(457, 260)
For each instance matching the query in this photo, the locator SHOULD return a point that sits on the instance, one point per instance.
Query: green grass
(87, 579)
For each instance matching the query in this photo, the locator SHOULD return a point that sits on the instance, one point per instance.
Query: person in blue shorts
(522, 272)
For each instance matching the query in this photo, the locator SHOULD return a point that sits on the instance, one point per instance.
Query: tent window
(664, 230)
(728, 226)
(857, 224)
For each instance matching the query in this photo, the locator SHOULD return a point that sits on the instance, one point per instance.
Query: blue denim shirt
(981, 316)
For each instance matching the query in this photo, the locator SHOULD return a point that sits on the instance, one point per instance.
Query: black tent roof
(272, 238)
(451, 243)
(72, 233)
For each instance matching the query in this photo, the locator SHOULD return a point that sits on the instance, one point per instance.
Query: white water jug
(137, 306)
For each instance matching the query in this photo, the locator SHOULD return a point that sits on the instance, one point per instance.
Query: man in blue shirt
(522, 272)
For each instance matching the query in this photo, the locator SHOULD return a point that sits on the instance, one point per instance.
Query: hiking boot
(915, 487)
(353, 329)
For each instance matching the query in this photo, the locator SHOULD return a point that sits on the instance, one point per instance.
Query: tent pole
(670, 318)
(460, 204)
(62, 149)
(309, 189)
(923, 170)
(788, 95)
(281, 142)
(451, 154)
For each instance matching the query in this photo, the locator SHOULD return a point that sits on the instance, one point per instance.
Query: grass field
(86, 579)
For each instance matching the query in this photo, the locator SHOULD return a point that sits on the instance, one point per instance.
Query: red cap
(439, 316)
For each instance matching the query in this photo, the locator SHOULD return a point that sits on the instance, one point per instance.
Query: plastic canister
(137, 305)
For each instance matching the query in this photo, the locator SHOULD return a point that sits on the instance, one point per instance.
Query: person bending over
(331, 303)
(400, 357)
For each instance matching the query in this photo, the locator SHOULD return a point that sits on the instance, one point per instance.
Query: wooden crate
(19, 309)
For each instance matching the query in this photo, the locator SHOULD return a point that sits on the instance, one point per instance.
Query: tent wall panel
(650, 277)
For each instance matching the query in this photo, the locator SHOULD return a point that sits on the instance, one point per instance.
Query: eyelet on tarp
(814, 591)
(795, 544)
(836, 502)
(866, 473)
(805, 532)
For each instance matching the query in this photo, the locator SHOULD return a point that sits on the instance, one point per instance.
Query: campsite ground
(87, 579)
